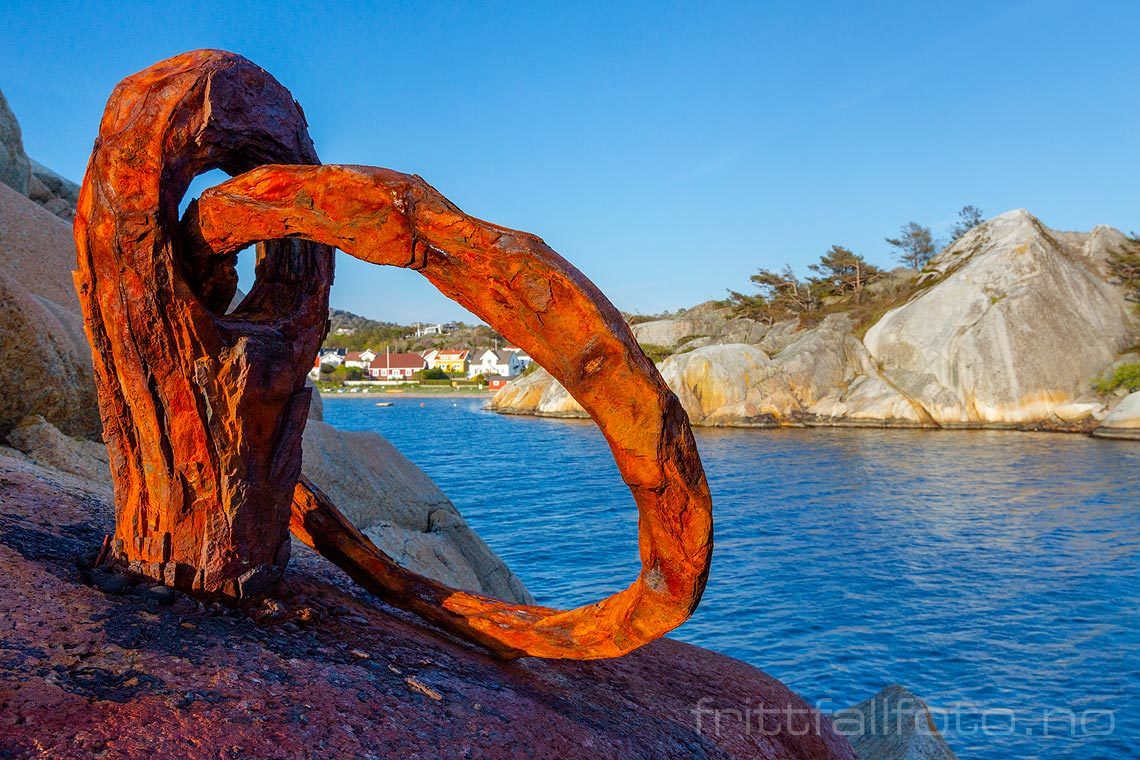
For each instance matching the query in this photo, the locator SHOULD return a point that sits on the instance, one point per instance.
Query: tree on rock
(969, 217)
(1124, 264)
(841, 272)
(914, 246)
(782, 295)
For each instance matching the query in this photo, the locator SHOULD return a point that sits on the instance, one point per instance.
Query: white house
(522, 356)
(490, 362)
(331, 357)
(326, 357)
(359, 359)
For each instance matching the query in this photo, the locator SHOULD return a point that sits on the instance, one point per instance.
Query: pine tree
(841, 271)
(914, 246)
(968, 218)
(782, 295)
(1124, 264)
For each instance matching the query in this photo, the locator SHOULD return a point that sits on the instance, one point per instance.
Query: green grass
(1126, 376)
(655, 352)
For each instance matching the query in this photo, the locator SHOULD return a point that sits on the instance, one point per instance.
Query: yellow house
(450, 360)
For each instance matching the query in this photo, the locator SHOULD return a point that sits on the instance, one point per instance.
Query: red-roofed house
(395, 366)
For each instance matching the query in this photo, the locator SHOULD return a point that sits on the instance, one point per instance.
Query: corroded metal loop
(539, 301)
(202, 412)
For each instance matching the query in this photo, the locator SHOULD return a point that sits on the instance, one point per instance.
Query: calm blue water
(996, 575)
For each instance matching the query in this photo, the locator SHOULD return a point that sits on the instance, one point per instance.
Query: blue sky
(667, 150)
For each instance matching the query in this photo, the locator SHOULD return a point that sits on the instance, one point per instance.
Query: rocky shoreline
(768, 422)
(1010, 328)
(396, 395)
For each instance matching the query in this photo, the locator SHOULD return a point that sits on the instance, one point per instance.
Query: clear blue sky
(667, 150)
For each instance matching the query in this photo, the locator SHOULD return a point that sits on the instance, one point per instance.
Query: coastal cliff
(1011, 326)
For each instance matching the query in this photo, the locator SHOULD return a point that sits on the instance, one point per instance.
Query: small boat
(383, 403)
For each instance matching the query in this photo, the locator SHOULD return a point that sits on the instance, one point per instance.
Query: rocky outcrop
(403, 511)
(981, 344)
(821, 362)
(30, 178)
(41, 370)
(732, 384)
(539, 394)
(45, 365)
(709, 322)
(977, 346)
(780, 335)
(870, 400)
(892, 725)
(326, 670)
(44, 444)
(1123, 421)
(38, 250)
(55, 193)
(14, 165)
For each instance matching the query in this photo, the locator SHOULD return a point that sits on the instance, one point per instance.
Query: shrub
(435, 373)
(1126, 376)
(656, 354)
(1124, 266)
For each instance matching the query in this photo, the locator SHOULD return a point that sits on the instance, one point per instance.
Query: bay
(995, 574)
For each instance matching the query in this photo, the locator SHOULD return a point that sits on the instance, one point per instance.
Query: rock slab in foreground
(894, 724)
(1123, 421)
(329, 672)
(392, 500)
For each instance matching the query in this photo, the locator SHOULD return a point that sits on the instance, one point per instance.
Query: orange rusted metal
(511, 279)
(202, 411)
(539, 301)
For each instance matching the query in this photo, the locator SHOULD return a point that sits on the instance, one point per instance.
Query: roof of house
(352, 356)
(452, 354)
(502, 356)
(397, 361)
(327, 351)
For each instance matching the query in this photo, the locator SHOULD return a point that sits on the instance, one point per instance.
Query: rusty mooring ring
(539, 301)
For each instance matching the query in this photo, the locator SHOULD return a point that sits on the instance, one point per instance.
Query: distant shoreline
(418, 393)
